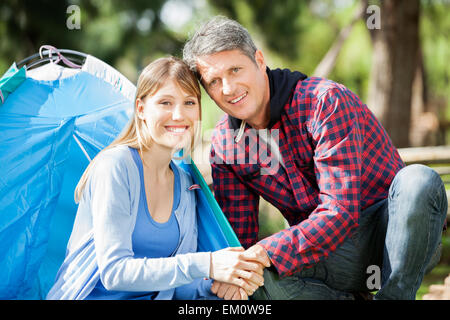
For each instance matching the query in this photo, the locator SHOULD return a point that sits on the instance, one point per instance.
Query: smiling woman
(170, 115)
(135, 233)
(156, 81)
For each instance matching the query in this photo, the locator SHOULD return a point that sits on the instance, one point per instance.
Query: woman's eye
(165, 103)
(190, 103)
(213, 83)
(235, 70)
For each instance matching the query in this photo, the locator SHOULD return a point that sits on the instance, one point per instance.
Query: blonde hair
(152, 78)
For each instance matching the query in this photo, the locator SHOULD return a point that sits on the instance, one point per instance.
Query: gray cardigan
(100, 244)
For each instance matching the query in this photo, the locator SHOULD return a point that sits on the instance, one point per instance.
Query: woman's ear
(140, 108)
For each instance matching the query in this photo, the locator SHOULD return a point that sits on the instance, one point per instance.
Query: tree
(278, 22)
(328, 62)
(395, 53)
(110, 29)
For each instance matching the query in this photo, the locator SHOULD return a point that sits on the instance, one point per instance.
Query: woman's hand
(229, 265)
(228, 291)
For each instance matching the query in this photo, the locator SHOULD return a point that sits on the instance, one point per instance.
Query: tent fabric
(220, 234)
(51, 71)
(49, 130)
(10, 81)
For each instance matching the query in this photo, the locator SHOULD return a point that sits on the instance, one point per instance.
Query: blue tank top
(150, 239)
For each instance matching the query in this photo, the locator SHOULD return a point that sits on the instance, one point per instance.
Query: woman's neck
(156, 162)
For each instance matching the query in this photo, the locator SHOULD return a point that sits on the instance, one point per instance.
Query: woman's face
(170, 115)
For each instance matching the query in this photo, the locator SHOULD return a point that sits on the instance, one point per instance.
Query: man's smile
(238, 99)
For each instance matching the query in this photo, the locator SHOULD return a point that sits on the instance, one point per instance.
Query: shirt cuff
(266, 244)
(200, 266)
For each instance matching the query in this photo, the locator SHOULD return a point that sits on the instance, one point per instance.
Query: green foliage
(109, 29)
(434, 34)
(293, 34)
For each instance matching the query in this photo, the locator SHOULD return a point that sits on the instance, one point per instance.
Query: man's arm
(337, 137)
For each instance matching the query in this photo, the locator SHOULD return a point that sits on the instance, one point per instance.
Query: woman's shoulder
(115, 165)
(115, 156)
(118, 153)
(117, 159)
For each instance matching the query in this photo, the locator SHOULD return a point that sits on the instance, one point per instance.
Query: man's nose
(227, 87)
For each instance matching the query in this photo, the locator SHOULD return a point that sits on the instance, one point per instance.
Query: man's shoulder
(223, 129)
(317, 86)
(223, 123)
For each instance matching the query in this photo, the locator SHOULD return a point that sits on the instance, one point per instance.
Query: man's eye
(235, 70)
(213, 83)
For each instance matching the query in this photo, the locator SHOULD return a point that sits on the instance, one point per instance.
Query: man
(318, 154)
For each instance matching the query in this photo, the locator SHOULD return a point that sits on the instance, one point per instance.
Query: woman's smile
(177, 129)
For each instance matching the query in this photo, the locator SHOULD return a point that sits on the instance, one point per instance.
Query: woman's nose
(177, 113)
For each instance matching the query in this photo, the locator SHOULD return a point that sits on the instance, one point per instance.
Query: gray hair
(217, 35)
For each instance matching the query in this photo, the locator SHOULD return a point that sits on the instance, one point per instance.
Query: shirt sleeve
(239, 204)
(335, 132)
(113, 225)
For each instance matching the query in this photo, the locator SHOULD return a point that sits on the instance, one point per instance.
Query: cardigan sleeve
(113, 224)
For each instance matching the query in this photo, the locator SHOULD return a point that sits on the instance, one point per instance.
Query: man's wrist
(265, 256)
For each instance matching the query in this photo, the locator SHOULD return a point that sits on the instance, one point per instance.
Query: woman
(135, 233)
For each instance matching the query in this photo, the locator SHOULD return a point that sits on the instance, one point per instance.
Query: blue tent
(49, 131)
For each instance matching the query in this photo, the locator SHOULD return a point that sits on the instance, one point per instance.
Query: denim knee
(418, 182)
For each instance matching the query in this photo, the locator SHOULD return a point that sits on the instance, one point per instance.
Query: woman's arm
(113, 224)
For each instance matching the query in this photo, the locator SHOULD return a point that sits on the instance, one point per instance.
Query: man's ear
(260, 62)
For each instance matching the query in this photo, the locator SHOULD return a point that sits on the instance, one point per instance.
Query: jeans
(398, 237)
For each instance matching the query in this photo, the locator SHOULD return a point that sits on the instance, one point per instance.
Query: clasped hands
(238, 272)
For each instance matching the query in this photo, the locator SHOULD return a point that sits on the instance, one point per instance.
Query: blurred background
(394, 54)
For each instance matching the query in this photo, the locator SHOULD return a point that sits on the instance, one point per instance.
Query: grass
(440, 272)
(436, 276)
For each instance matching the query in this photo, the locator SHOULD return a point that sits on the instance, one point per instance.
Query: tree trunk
(394, 63)
(424, 129)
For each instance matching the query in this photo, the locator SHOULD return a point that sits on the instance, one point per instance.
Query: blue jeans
(399, 236)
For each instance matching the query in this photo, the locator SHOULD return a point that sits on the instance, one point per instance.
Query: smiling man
(237, 84)
(351, 203)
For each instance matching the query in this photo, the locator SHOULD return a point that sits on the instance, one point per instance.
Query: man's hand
(230, 265)
(257, 253)
(228, 291)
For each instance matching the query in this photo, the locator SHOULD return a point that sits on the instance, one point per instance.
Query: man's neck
(261, 121)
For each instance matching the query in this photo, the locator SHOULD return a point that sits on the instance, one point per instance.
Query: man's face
(237, 85)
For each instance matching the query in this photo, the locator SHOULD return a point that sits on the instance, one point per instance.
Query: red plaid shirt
(338, 160)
